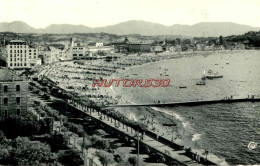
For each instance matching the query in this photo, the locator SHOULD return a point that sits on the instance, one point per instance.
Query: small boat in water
(203, 79)
(202, 82)
(212, 75)
(182, 87)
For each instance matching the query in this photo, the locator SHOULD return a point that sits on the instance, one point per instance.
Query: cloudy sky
(96, 13)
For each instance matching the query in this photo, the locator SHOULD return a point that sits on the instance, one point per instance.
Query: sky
(98, 13)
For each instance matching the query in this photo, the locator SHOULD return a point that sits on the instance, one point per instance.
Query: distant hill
(203, 29)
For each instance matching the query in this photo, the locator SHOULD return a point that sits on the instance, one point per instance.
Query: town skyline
(40, 14)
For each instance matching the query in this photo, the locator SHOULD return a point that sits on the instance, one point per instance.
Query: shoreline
(190, 138)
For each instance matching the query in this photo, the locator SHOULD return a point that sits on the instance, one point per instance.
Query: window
(10, 51)
(24, 64)
(18, 112)
(21, 51)
(11, 64)
(10, 46)
(18, 100)
(30, 50)
(11, 59)
(14, 51)
(17, 88)
(5, 88)
(74, 54)
(24, 51)
(80, 54)
(5, 101)
(6, 113)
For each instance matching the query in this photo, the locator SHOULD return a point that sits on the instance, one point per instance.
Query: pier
(188, 103)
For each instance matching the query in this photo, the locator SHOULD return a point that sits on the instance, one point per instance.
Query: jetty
(189, 103)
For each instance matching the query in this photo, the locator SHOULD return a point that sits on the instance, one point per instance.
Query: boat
(212, 75)
(203, 78)
(204, 75)
(182, 87)
(202, 82)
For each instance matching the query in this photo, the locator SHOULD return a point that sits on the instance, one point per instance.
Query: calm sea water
(225, 129)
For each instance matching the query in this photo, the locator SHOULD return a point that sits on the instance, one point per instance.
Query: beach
(180, 69)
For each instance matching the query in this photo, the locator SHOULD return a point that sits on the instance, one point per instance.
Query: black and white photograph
(129, 82)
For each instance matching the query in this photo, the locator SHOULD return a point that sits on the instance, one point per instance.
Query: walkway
(177, 155)
(189, 103)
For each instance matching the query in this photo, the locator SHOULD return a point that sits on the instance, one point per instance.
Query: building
(157, 49)
(13, 93)
(20, 55)
(78, 50)
(99, 44)
(52, 54)
(139, 47)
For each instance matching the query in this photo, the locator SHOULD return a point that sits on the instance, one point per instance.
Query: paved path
(173, 153)
(188, 103)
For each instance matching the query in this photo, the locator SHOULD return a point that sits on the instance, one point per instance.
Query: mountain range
(203, 29)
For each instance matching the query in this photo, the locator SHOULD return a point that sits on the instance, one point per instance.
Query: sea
(223, 129)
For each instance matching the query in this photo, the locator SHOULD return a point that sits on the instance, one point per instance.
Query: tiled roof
(7, 75)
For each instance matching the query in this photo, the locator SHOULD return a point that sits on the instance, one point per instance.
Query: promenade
(188, 103)
(175, 154)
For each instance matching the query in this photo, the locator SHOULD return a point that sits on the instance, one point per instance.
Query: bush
(75, 128)
(99, 143)
(132, 160)
(105, 157)
(70, 157)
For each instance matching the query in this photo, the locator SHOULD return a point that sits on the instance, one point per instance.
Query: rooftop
(7, 75)
(16, 41)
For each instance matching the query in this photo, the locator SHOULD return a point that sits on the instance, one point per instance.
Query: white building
(99, 44)
(21, 55)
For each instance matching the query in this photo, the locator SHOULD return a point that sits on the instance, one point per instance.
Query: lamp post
(138, 137)
(206, 153)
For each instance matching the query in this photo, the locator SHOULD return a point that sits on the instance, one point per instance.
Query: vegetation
(24, 125)
(22, 151)
(105, 157)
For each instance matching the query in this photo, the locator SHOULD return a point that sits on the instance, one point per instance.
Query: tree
(221, 40)
(26, 152)
(70, 157)
(25, 125)
(100, 143)
(58, 141)
(105, 157)
(178, 41)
